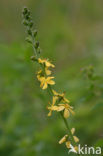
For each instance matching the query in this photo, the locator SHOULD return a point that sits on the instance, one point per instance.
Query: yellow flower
(65, 139)
(61, 96)
(45, 81)
(40, 72)
(67, 109)
(68, 143)
(46, 62)
(52, 107)
(47, 65)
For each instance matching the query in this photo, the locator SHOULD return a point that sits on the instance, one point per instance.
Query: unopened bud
(31, 24)
(28, 12)
(27, 17)
(39, 50)
(35, 33)
(25, 10)
(29, 32)
(36, 44)
(25, 22)
(33, 58)
(28, 40)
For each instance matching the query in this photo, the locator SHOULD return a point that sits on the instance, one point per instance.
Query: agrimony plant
(60, 103)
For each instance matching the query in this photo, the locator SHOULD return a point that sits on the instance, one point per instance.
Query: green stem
(51, 94)
(25, 12)
(65, 122)
(68, 128)
(33, 41)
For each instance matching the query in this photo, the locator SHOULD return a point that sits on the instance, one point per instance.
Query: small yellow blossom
(63, 139)
(76, 148)
(52, 107)
(68, 144)
(67, 109)
(45, 81)
(39, 74)
(61, 96)
(46, 62)
(47, 71)
(76, 139)
(73, 130)
(47, 65)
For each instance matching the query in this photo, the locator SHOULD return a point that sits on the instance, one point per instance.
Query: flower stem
(68, 128)
(33, 41)
(65, 122)
(28, 23)
(61, 113)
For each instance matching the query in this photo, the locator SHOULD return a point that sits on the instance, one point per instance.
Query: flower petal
(40, 60)
(49, 78)
(42, 79)
(60, 108)
(63, 139)
(39, 72)
(68, 144)
(76, 139)
(49, 108)
(55, 108)
(76, 148)
(48, 72)
(41, 85)
(54, 92)
(50, 113)
(73, 130)
(66, 100)
(48, 64)
(66, 113)
(73, 113)
(61, 104)
(45, 86)
(51, 82)
(54, 99)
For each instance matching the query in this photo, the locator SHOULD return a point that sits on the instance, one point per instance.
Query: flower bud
(63, 139)
(28, 13)
(31, 24)
(36, 45)
(25, 10)
(27, 17)
(28, 40)
(35, 33)
(33, 58)
(39, 50)
(29, 32)
(25, 22)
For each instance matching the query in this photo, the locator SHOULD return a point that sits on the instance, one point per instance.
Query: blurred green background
(70, 34)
